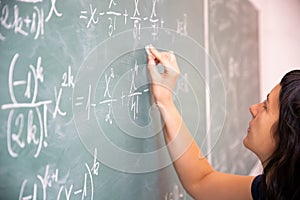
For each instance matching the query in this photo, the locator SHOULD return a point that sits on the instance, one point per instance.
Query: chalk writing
(34, 24)
(67, 82)
(34, 130)
(93, 17)
(79, 101)
(57, 109)
(51, 179)
(132, 95)
(108, 98)
(68, 78)
(53, 9)
(182, 26)
(28, 117)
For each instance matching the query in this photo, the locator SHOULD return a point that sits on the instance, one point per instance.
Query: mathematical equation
(133, 95)
(34, 23)
(27, 122)
(131, 98)
(33, 106)
(51, 178)
(12, 21)
(92, 17)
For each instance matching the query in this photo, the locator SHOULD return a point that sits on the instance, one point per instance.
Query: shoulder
(256, 188)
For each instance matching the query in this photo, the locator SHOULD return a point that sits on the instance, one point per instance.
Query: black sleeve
(256, 188)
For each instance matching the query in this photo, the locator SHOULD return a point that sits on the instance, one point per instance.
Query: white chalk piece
(147, 47)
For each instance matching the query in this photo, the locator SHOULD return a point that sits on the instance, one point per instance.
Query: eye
(265, 105)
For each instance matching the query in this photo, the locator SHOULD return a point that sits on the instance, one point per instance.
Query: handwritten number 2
(16, 137)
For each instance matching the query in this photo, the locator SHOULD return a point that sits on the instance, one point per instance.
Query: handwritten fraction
(94, 15)
(29, 113)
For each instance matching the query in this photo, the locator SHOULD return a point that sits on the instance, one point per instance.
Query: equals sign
(80, 99)
(83, 14)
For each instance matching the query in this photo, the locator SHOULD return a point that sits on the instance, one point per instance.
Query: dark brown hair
(282, 173)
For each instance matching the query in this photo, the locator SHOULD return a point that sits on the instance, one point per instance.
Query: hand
(162, 83)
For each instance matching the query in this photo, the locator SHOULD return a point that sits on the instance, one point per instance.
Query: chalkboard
(233, 46)
(77, 115)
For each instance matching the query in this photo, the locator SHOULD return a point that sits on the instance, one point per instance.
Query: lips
(249, 128)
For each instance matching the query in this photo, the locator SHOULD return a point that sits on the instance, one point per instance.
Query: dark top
(256, 188)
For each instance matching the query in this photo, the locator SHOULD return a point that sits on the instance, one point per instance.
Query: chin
(246, 143)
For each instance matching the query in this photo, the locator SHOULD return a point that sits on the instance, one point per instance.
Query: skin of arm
(197, 176)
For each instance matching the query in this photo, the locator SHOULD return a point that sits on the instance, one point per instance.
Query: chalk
(147, 48)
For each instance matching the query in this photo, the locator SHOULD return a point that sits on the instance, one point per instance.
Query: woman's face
(260, 137)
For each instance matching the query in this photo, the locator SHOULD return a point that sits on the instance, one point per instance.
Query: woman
(273, 135)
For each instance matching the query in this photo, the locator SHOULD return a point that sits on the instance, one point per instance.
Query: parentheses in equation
(67, 192)
(31, 132)
(10, 78)
(36, 76)
(23, 186)
(91, 180)
(19, 122)
(35, 89)
(40, 23)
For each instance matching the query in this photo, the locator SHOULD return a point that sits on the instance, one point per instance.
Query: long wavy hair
(281, 178)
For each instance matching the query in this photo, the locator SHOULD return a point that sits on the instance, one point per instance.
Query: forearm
(194, 171)
(190, 164)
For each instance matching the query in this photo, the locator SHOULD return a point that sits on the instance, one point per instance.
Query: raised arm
(195, 173)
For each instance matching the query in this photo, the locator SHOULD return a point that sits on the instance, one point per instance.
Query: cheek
(268, 147)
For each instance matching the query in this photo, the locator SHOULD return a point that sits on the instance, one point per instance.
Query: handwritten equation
(51, 178)
(132, 95)
(92, 16)
(33, 107)
(27, 122)
(30, 24)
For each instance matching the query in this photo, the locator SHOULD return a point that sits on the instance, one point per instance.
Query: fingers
(164, 58)
(152, 66)
(167, 59)
(159, 56)
(151, 60)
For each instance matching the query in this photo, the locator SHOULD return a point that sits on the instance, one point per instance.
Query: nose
(253, 110)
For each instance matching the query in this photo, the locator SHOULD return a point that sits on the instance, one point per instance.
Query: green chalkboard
(77, 118)
(233, 46)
